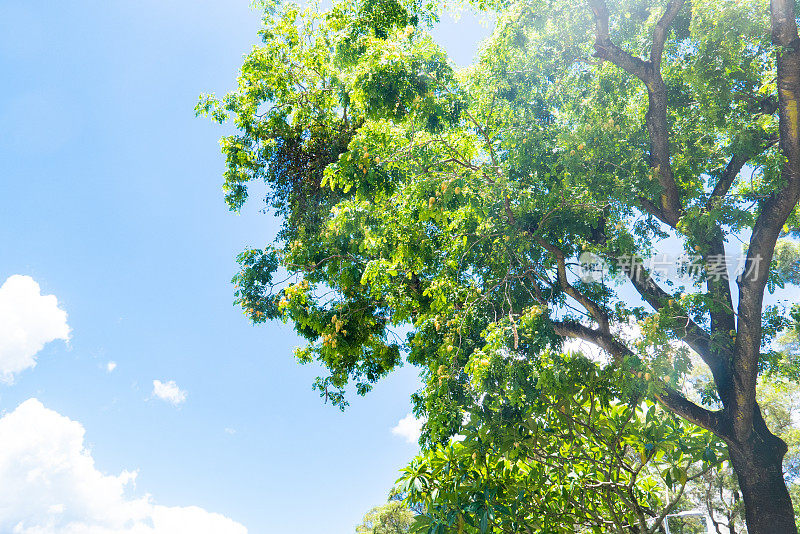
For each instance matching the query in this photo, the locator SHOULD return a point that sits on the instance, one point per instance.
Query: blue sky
(110, 200)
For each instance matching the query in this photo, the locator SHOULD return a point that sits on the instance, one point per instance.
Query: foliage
(391, 518)
(415, 196)
(439, 215)
(787, 260)
(560, 454)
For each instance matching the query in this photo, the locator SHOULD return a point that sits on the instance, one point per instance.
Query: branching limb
(597, 313)
(650, 207)
(662, 30)
(689, 331)
(605, 49)
(713, 421)
(607, 342)
(774, 212)
(723, 318)
(733, 168)
(648, 72)
(671, 399)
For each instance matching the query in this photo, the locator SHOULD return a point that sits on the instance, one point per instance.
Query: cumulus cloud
(169, 392)
(50, 485)
(409, 427)
(28, 321)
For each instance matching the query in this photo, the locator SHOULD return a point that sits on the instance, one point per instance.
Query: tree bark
(757, 454)
(758, 466)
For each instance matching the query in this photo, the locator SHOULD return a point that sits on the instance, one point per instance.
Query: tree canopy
(438, 216)
(390, 518)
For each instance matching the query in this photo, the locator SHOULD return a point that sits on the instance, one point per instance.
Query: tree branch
(690, 332)
(607, 342)
(671, 399)
(733, 168)
(713, 421)
(728, 176)
(784, 28)
(654, 210)
(648, 72)
(661, 30)
(605, 49)
(723, 318)
(597, 313)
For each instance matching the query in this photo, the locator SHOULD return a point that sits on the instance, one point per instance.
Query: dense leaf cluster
(560, 454)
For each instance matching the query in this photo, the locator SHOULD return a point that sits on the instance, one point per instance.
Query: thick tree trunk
(758, 466)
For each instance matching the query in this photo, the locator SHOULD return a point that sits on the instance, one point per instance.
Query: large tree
(427, 209)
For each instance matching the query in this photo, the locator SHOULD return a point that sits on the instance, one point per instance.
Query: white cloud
(169, 392)
(110, 366)
(28, 321)
(409, 427)
(50, 485)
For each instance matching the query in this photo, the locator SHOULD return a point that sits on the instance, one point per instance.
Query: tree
(391, 518)
(451, 204)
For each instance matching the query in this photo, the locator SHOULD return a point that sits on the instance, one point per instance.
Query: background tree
(393, 517)
(452, 204)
